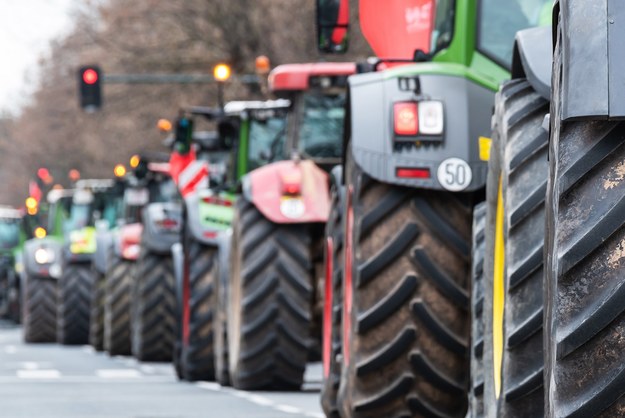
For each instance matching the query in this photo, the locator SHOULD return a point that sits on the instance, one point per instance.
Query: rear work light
(423, 118)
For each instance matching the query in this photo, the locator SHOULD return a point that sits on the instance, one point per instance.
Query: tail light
(406, 119)
(167, 223)
(214, 200)
(413, 173)
(420, 119)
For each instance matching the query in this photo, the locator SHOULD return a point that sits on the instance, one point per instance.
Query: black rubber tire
(334, 233)
(117, 300)
(74, 304)
(197, 360)
(96, 319)
(39, 309)
(15, 297)
(408, 335)
(153, 307)
(585, 314)
(476, 390)
(270, 302)
(519, 162)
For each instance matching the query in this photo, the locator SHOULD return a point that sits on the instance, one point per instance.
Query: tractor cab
(317, 93)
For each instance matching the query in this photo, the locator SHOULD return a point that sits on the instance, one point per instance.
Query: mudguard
(532, 58)
(223, 269)
(127, 241)
(104, 241)
(268, 188)
(208, 215)
(162, 223)
(467, 114)
(177, 256)
(593, 81)
(52, 268)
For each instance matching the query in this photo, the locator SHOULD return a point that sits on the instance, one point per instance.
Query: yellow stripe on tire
(499, 294)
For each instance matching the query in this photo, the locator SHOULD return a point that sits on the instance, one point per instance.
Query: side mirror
(332, 26)
(183, 135)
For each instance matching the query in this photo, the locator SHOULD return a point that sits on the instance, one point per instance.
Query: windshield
(9, 233)
(321, 130)
(443, 25)
(163, 191)
(79, 217)
(500, 20)
(267, 141)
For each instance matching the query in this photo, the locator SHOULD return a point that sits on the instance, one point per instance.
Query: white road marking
(29, 365)
(209, 386)
(38, 374)
(258, 400)
(118, 373)
(10, 349)
(148, 369)
(289, 409)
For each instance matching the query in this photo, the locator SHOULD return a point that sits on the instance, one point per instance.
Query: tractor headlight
(44, 256)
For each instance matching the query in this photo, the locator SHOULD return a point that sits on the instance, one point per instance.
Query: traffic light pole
(172, 79)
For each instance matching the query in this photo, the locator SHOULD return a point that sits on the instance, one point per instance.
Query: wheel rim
(498, 292)
(327, 309)
(348, 294)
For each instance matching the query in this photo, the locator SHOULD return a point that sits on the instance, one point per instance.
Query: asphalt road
(53, 381)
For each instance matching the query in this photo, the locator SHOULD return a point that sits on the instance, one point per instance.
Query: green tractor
(74, 288)
(552, 313)
(243, 129)
(417, 137)
(12, 237)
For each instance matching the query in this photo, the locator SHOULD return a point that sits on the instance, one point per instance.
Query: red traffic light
(90, 76)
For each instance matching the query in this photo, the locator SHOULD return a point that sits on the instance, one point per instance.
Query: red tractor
(276, 258)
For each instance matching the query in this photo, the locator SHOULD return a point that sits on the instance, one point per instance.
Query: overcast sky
(26, 28)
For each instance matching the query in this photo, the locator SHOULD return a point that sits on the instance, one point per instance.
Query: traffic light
(89, 78)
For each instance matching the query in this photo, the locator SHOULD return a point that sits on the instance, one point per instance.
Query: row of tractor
(444, 238)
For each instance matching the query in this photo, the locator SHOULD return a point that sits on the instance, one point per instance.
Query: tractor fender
(127, 241)
(267, 189)
(53, 268)
(593, 85)
(104, 241)
(467, 110)
(177, 256)
(162, 226)
(223, 262)
(532, 57)
(206, 220)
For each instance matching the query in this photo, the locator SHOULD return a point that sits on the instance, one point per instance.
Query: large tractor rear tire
(74, 299)
(119, 276)
(585, 284)
(40, 309)
(96, 320)
(476, 389)
(333, 298)
(270, 302)
(513, 265)
(196, 352)
(406, 300)
(153, 307)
